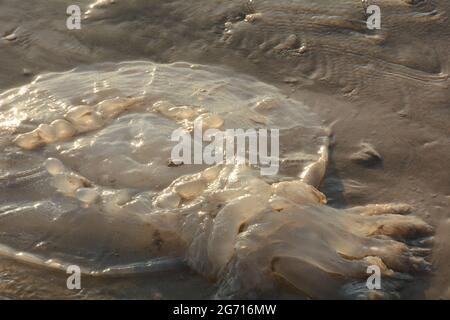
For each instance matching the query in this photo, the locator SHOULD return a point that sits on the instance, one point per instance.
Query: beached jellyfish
(87, 178)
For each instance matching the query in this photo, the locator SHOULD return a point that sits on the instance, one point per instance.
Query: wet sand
(389, 88)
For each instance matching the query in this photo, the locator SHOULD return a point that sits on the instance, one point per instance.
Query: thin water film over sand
(86, 170)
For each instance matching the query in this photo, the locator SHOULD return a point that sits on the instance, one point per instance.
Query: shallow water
(388, 88)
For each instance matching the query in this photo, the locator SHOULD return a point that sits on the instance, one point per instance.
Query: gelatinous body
(87, 181)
